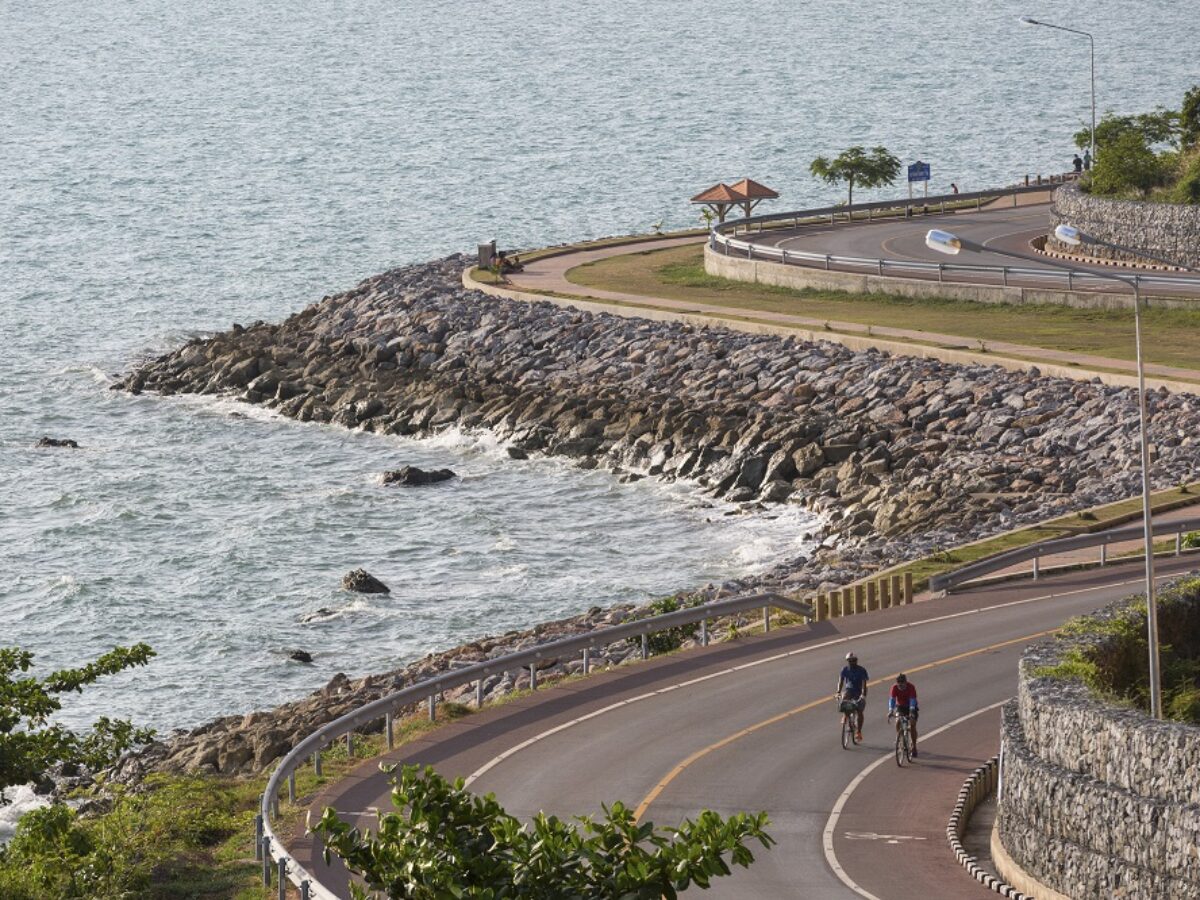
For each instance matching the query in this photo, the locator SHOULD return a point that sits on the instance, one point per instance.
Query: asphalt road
(999, 227)
(751, 725)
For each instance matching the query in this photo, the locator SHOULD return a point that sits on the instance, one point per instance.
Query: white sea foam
(22, 800)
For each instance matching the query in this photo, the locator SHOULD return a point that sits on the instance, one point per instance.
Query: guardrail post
(266, 862)
(1037, 568)
(274, 805)
(1178, 543)
(766, 619)
(704, 632)
(282, 873)
(826, 262)
(432, 708)
(350, 744)
(258, 836)
(1004, 275)
(885, 594)
(749, 250)
(860, 598)
(1104, 554)
(908, 587)
(533, 677)
(783, 255)
(897, 592)
(645, 645)
(389, 730)
(941, 266)
(316, 758)
(879, 263)
(872, 597)
(292, 786)
(479, 689)
(1070, 280)
(848, 602)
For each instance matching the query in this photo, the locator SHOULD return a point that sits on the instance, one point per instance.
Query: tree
(446, 842)
(1189, 118)
(856, 165)
(1163, 126)
(29, 745)
(1127, 165)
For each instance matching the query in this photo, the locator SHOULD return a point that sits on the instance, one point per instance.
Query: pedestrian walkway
(549, 276)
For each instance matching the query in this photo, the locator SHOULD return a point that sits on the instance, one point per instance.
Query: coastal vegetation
(678, 273)
(443, 841)
(30, 744)
(1153, 155)
(856, 165)
(1114, 662)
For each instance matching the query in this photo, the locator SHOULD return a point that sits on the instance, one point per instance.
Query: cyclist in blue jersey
(852, 685)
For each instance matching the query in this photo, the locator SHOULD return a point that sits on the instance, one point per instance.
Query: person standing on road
(852, 685)
(902, 701)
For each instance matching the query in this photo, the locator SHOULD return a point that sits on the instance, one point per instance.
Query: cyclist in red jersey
(903, 700)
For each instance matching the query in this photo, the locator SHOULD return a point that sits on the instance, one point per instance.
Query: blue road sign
(918, 171)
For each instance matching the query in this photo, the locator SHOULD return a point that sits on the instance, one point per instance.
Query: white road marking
(496, 760)
(831, 825)
(887, 838)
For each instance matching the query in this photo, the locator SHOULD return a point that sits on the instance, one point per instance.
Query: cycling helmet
(901, 678)
(850, 657)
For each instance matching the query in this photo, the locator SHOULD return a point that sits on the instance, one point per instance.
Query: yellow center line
(766, 723)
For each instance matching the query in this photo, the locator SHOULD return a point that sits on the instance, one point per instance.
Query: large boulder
(363, 582)
(58, 442)
(411, 476)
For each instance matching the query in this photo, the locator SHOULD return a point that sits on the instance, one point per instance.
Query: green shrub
(136, 849)
(672, 638)
(1191, 540)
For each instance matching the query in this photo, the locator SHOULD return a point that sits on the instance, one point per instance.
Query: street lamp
(946, 242)
(1029, 20)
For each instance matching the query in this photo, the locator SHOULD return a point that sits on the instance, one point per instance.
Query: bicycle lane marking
(836, 813)
(511, 751)
(766, 723)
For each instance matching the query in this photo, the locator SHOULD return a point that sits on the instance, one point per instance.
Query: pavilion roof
(719, 193)
(752, 190)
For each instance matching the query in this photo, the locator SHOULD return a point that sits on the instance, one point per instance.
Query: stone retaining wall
(1097, 800)
(1167, 230)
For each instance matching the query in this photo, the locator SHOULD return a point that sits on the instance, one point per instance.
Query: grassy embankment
(1171, 335)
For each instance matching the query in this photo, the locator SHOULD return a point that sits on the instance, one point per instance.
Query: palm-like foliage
(858, 166)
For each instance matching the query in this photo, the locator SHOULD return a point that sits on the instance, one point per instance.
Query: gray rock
(362, 582)
(411, 476)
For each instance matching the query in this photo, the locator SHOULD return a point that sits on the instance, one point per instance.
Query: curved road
(750, 725)
(1000, 226)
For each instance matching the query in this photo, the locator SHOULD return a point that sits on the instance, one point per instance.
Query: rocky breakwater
(900, 456)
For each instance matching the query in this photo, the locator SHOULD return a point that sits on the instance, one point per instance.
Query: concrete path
(750, 725)
(550, 276)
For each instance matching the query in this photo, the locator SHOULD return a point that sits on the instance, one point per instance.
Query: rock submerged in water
(411, 476)
(302, 656)
(58, 442)
(363, 582)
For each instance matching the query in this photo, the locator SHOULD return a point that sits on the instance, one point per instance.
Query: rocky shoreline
(900, 456)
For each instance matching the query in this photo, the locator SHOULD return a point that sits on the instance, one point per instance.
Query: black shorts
(907, 711)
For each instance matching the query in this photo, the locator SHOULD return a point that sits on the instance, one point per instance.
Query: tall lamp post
(1029, 20)
(945, 242)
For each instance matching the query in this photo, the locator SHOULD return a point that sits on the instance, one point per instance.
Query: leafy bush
(135, 849)
(672, 638)
(1191, 540)
(444, 842)
(1128, 167)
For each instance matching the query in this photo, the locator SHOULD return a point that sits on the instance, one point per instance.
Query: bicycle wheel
(901, 750)
(847, 732)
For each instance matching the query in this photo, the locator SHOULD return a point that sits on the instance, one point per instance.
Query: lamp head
(942, 242)
(1069, 235)
(1030, 20)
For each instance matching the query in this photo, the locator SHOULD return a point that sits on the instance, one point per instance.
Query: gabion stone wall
(1097, 800)
(1167, 230)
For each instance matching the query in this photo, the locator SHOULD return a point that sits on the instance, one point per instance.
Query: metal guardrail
(270, 849)
(1036, 552)
(724, 237)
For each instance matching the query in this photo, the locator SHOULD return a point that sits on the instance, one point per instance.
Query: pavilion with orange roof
(747, 194)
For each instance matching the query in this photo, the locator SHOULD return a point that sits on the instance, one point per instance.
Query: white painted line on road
(831, 825)
(496, 760)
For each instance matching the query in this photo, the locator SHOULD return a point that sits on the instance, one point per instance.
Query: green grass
(1171, 335)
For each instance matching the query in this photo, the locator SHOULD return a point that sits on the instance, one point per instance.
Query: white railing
(269, 848)
(724, 238)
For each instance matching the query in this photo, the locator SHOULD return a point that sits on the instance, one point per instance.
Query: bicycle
(849, 710)
(903, 739)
